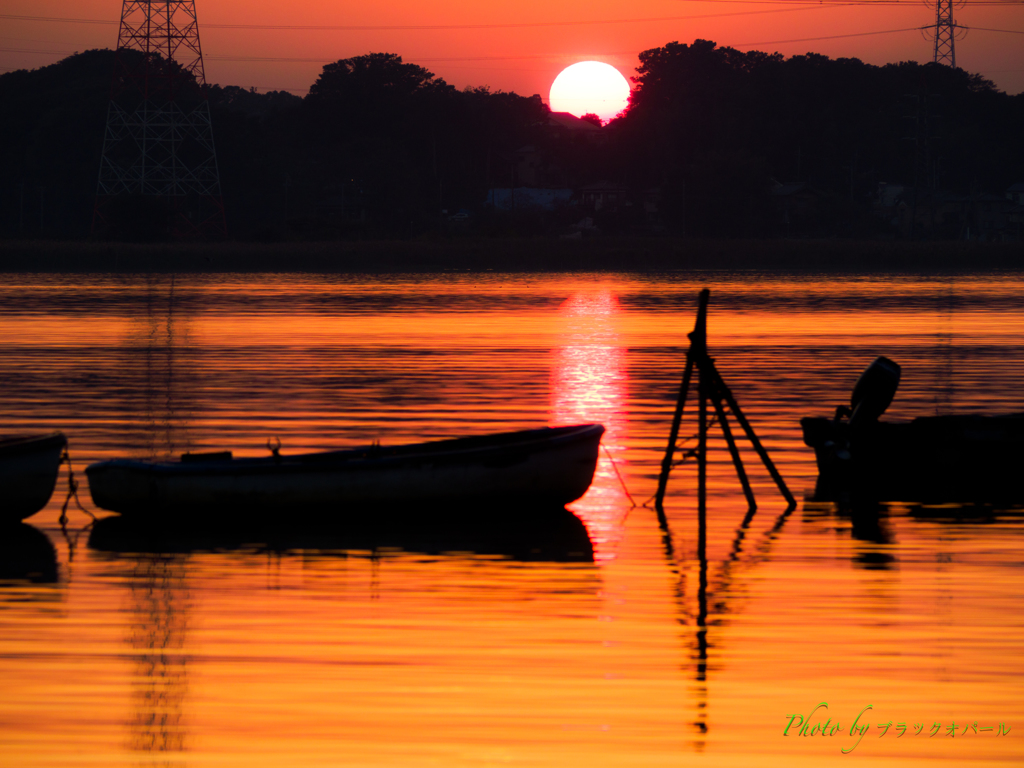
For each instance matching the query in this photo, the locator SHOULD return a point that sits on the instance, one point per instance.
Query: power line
(322, 59)
(431, 59)
(856, 2)
(519, 25)
(15, 17)
(547, 56)
(804, 5)
(860, 2)
(833, 37)
(29, 40)
(23, 50)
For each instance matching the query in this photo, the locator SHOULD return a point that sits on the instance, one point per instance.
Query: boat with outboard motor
(28, 473)
(547, 466)
(960, 457)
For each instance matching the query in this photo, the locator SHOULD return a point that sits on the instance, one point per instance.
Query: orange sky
(523, 59)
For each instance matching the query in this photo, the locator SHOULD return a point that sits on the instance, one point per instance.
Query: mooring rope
(72, 491)
(63, 520)
(618, 475)
(686, 456)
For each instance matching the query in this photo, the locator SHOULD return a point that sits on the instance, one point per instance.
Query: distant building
(796, 202)
(652, 199)
(530, 166)
(925, 214)
(1016, 193)
(1015, 223)
(602, 196)
(528, 198)
(990, 217)
(889, 195)
(347, 204)
(948, 216)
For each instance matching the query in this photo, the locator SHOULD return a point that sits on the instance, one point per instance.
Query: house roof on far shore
(602, 186)
(570, 121)
(787, 188)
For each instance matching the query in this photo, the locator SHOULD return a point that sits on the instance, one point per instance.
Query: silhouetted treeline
(714, 126)
(382, 148)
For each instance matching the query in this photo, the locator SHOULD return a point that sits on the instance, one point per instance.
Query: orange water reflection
(309, 655)
(159, 614)
(589, 383)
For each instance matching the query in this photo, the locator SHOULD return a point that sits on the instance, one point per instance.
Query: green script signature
(859, 728)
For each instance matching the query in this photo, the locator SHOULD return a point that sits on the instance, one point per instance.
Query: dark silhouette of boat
(28, 473)
(26, 554)
(550, 467)
(542, 533)
(954, 458)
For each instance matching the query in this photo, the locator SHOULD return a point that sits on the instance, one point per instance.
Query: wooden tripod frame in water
(711, 387)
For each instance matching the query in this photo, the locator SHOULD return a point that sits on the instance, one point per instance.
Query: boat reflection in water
(26, 554)
(549, 534)
(870, 525)
(589, 380)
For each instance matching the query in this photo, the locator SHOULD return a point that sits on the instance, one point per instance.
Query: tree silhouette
(714, 126)
(374, 92)
(707, 132)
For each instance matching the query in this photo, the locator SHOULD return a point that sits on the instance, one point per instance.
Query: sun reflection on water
(589, 383)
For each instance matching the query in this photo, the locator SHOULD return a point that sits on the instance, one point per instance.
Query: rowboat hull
(541, 466)
(28, 474)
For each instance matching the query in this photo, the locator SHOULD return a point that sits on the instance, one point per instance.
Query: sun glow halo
(590, 87)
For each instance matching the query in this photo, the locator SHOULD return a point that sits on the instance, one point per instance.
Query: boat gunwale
(480, 448)
(22, 444)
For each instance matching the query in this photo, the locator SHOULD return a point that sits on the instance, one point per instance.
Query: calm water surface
(239, 653)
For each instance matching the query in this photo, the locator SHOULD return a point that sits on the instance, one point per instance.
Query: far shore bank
(514, 255)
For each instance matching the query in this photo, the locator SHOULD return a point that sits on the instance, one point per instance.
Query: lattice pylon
(945, 33)
(158, 142)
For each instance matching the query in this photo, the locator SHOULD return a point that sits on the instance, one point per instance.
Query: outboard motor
(844, 449)
(873, 392)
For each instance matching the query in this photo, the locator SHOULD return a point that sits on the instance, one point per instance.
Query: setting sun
(590, 87)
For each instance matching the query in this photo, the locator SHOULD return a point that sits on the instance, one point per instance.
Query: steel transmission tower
(945, 33)
(158, 152)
